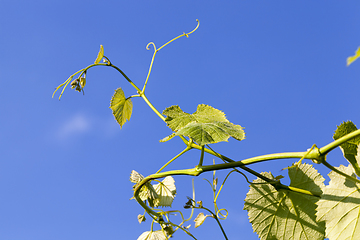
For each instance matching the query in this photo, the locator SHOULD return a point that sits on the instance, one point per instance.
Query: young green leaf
(339, 206)
(121, 107)
(135, 177)
(207, 125)
(141, 218)
(150, 235)
(285, 214)
(350, 149)
(147, 191)
(351, 59)
(100, 55)
(166, 191)
(199, 220)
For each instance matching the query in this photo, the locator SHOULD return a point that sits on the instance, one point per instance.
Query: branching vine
(268, 202)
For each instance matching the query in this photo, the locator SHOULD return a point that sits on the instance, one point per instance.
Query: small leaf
(82, 82)
(279, 177)
(350, 148)
(199, 220)
(285, 214)
(150, 235)
(100, 55)
(339, 206)
(141, 218)
(351, 59)
(121, 107)
(147, 191)
(135, 177)
(166, 191)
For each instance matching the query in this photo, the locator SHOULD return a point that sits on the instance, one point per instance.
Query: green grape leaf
(206, 133)
(350, 148)
(121, 107)
(339, 206)
(285, 214)
(199, 220)
(207, 125)
(166, 192)
(147, 191)
(100, 55)
(351, 59)
(176, 118)
(152, 235)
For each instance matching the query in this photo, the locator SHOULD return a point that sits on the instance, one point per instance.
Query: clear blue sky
(277, 68)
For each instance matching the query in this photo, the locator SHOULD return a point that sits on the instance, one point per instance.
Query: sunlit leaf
(147, 191)
(206, 133)
(284, 214)
(121, 107)
(149, 235)
(199, 220)
(176, 118)
(351, 59)
(351, 148)
(141, 218)
(135, 177)
(100, 55)
(339, 206)
(166, 192)
(207, 125)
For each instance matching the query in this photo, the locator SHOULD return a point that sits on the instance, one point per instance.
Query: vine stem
(156, 50)
(317, 154)
(171, 160)
(217, 220)
(201, 156)
(138, 186)
(340, 172)
(326, 149)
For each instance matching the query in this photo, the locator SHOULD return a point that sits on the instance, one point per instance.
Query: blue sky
(277, 68)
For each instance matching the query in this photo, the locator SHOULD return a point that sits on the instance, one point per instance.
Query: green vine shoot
(304, 209)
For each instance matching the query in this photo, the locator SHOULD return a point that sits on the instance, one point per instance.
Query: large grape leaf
(351, 59)
(339, 206)
(207, 125)
(121, 107)
(285, 214)
(351, 148)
